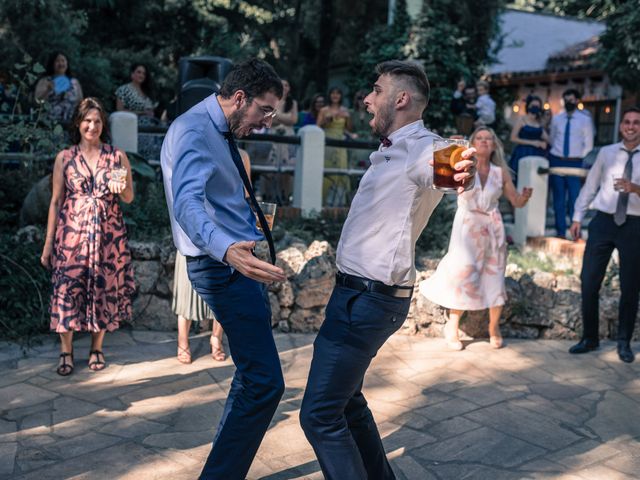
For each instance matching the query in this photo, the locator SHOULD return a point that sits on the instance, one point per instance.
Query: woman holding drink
(86, 244)
(471, 275)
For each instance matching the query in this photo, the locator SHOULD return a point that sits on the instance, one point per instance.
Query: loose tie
(237, 160)
(385, 142)
(623, 197)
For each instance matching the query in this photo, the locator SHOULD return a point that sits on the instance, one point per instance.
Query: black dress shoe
(625, 353)
(584, 346)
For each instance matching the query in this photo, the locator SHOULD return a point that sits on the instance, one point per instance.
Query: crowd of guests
(61, 91)
(331, 113)
(86, 242)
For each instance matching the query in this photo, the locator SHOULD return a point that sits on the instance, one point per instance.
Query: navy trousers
(334, 415)
(565, 191)
(241, 305)
(604, 236)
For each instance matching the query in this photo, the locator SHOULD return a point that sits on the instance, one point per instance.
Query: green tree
(382, 42)
(619, 53)
(453, 39)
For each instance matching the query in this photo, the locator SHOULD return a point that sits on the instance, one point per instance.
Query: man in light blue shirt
(215, 228)
(571, 138)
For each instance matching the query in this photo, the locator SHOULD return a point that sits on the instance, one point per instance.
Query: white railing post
(124, 131)
(307, 185)
(530, 220)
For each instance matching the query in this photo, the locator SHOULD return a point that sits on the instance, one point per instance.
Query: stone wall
(540, 304)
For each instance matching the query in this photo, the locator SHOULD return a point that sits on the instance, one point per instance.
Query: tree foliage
(453, 40)
(620, 46)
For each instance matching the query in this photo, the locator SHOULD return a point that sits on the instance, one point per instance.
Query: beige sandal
(217, 349)
(496, 341)
(184, 355)
(453, 342)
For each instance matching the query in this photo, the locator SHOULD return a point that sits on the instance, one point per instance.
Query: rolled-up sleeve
(193, 169)
(589, 189)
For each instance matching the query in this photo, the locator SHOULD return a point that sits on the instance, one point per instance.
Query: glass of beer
(119, 174)
(446, 153)
(269, 211)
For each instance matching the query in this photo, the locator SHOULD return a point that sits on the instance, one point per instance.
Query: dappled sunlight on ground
(527, 411)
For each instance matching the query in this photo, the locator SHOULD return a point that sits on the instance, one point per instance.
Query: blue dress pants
(241, 305)
(561, 188)
(334, 415)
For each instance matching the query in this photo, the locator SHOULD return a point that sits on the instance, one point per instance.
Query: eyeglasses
(268, 111)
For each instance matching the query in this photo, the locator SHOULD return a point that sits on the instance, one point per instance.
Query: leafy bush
(24, 290)
(147, 217)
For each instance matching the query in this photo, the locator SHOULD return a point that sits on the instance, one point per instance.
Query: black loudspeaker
(199, 77)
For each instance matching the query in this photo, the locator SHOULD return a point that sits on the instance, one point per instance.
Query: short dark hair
(572, 91)
(80, 112)
(51, 60)
(634, 109)
(530, 99)
(410, 71)
(254, 77)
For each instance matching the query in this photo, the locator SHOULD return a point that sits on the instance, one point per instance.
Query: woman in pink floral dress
(86, 244)
(471, 275)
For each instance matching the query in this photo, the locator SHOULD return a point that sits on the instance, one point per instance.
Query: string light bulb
(516, 108)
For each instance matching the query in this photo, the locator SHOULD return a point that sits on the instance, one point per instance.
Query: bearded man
(376, 274)
(214, 227)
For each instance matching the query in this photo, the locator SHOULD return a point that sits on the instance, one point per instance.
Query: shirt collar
(623, 148)
(217, 115)
(405, 131)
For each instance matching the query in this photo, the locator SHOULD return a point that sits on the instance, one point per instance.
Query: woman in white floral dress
(471, 275)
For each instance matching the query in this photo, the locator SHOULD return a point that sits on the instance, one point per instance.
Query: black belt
(364, 284)
(192, 259)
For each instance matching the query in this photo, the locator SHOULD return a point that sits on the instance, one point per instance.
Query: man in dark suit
(612, 189)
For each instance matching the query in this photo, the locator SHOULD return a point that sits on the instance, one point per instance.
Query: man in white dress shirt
(613, 190)
(485, 106)
(375, 259)
(571, 138)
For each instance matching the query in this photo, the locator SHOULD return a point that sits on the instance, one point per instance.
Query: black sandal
(65, 368)
(98, 364)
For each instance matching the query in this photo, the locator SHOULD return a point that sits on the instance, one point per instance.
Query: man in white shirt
(571, 138)
(375, 259)
(485, 106)
(612, 189)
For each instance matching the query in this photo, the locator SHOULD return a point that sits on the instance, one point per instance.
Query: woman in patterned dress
(135, 96)
(59, 88)
(86, 244)
(471, 275)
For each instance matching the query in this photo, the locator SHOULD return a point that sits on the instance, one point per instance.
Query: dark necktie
(623, 197)
(237, 160)
(567, 134)
(385, 142)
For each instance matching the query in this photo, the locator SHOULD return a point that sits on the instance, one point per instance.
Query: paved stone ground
(529, 411)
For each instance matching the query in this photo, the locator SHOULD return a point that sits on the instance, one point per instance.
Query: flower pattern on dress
(92, 273)
(471, 274)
